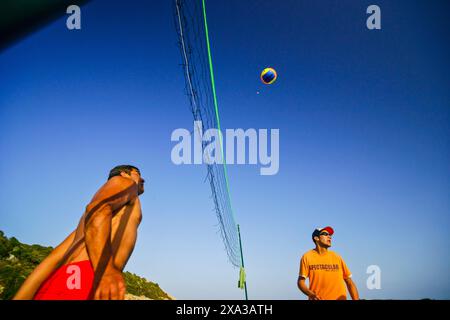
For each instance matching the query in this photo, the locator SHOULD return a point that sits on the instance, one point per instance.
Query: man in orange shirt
(327, 272)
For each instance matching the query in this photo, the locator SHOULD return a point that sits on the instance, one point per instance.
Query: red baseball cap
(317, 231)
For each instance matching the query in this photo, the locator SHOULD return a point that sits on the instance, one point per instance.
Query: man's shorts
(70, 282)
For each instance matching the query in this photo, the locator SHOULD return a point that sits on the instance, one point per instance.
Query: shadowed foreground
(18, 260)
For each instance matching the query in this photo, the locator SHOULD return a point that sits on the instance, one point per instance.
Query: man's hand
(111, 286)
(313, 296)
(302, 286)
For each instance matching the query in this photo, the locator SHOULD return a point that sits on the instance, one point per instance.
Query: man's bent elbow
(96, 216)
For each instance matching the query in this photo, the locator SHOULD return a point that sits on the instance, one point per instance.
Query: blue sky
(364, 119)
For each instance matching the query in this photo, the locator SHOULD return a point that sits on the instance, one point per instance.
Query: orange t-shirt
(326, 274)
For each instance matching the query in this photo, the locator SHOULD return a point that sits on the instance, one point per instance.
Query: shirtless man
(88, 264)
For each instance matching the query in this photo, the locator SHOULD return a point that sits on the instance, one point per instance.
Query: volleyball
(268, 76)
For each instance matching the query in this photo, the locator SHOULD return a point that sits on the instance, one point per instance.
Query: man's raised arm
(108, 280)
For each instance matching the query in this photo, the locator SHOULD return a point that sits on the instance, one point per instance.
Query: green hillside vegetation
(18, 260)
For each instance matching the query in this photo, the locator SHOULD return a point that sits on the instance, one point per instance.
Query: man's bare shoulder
(120, 182)
(116, 186)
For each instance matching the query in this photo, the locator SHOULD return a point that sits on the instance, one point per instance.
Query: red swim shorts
(70, 282)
